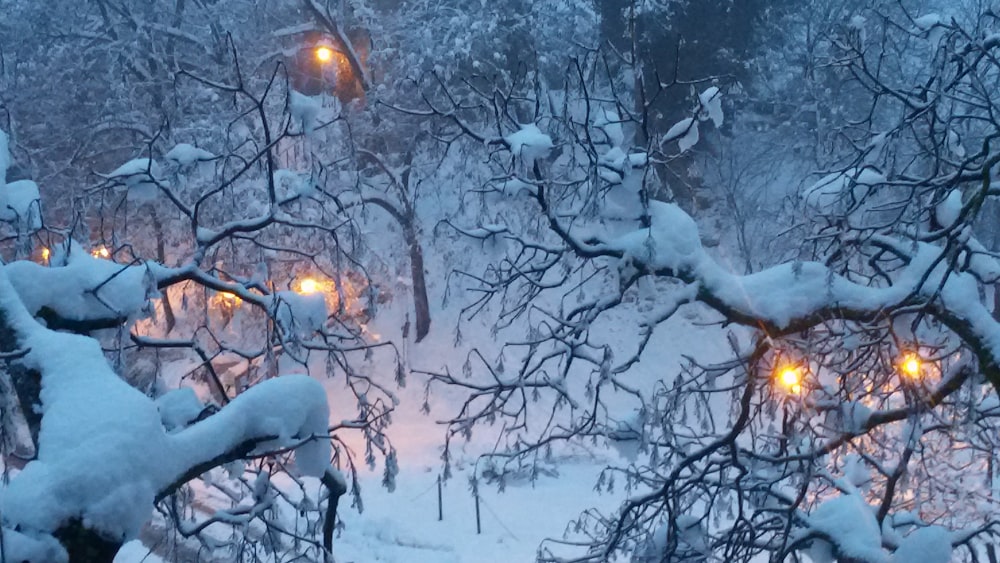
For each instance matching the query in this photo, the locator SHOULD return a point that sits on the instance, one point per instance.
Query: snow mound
(856, 472)
(178, 408)
(685, 132)
(638, 159)
(529, 143)
(927, 21)
(142, 167)
(25, 548)
(300, 315)
(947, 211)
(691, 542)
(626, 437)
(515, 187)
(828, 194)
(185, 154)
(20, 205)
(927, 545)
(85, 288)
(851, 525)
(305, 110)
(711, 104)
(671, 242)
(141, 176)
(613, 165)
(104, 454)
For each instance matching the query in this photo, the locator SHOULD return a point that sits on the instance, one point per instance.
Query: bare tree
(862, 376)
(276, 261)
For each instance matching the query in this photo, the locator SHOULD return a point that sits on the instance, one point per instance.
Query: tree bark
(161, 256)
(27, 383)
(421, 305)
(337, 490)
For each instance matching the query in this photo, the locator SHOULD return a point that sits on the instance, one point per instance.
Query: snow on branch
(20, 205)
(81, 287)
(104, 455)
(796, 295)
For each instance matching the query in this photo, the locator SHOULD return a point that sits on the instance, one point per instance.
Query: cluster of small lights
(303, 286)
(101, 252)
(227, 300)
(789, 377)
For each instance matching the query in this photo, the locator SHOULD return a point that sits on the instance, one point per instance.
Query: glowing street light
(46, 253)
(101, 252)
(324, 54)
(308, 286)
(790, 378)
(911, 365)
(226, 302)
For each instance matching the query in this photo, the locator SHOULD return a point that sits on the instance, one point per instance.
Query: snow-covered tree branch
(737, 261)
(881, 331)
(104, 455)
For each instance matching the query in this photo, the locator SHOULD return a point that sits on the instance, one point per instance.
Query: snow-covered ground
(403, 525)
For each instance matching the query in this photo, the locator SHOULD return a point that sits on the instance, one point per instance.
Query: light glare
(790, 378)
(308, 286)
(911, 365)
(324, 54)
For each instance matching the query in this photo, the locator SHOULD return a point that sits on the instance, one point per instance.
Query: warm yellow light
(101, 252)
(308, 286)
(45, 254)
(324, 54)
(226, 301)
(911, 365)
(790, 378)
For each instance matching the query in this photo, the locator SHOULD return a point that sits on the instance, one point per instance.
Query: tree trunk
(161, 256)
(996, 302)
(27, 383)
(336, 489)
(421, 306)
